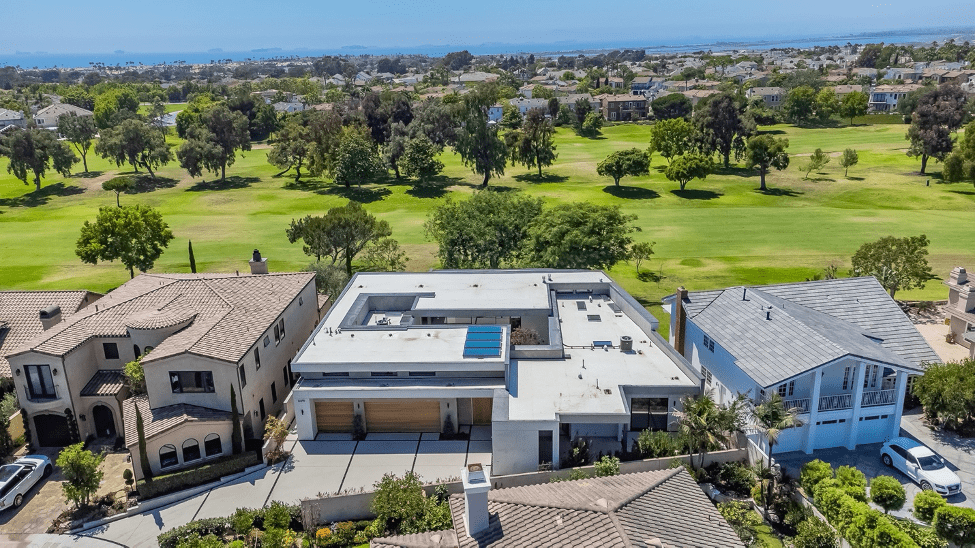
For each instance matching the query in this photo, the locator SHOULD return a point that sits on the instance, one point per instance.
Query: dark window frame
(202, 381)
(209, 442)
(649, 413)
(106, 346)
(43, 392)
(194, 449)
(274, 394)
(167, 462)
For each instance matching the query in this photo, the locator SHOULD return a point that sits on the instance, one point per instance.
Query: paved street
(329, 465)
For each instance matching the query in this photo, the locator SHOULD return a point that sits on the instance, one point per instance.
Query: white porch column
(901, 377)
(813, 417)
(556, 449)
(856, 404)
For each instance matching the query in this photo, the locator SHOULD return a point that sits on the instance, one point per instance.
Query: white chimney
(476, 481)
(259, 265)
(961, 276)
(50, 316)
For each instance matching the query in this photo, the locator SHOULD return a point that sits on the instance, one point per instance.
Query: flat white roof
(547, 388)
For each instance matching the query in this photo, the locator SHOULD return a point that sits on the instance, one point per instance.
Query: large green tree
(137, 143)
(898, 263)
(357, 160)
(420, 158)
(535, 147)
(946, 392)
(212, 143)
(135, 235)
(671, 138)
(115, 105)
(32, 152)
(723, 127)
(485, 231)
(940, 112)
(764, 152)
(705, 425)
(80, 132)
(340, 235)
(82, 472)
(630, 162)
(291, 148)
(671, 106)
(853, 104)
(801, 104)
(960, 164)
(478, 142)
(687, 167)
(579, 235)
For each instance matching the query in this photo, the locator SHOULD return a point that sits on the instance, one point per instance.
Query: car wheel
(18, 500)
(887, 460)
(48, 470)
(925, 485)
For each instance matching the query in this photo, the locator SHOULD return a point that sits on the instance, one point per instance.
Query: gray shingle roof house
(663, 508)
(47, 118)
(841, 351)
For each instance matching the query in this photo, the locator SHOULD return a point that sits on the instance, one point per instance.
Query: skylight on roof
(483, 341)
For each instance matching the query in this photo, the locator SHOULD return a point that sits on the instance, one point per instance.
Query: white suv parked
(920, 464)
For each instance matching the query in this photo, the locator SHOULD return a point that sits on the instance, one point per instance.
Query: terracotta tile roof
(104, 383)
(227, 313)
(158, 420)
(429, 539)
(664, 507)
(20, 320)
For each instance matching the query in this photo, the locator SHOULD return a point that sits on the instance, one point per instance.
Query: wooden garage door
(482, 411)
(334, 416)
(403, 416)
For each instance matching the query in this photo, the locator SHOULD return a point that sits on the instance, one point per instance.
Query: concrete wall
(176, 437)
(515, 445)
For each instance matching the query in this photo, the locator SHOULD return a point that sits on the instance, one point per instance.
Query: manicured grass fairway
(719, 232)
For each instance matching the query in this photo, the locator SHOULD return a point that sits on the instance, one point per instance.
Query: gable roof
(59, 109)
(663, 507)
(20, 320)
(161, 419)
(832, 318)
(227, 314)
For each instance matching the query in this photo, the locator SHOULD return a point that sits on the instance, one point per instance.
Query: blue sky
(241, 25)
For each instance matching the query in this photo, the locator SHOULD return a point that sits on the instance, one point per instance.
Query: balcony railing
(41, 398)
(802, 405)
(878, 398)
(834, 402)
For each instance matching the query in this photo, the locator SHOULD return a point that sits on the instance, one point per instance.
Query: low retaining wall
(356, 506)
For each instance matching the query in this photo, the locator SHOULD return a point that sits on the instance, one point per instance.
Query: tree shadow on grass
(42, 197)
(696, 194)
(855, 178)
(629, 192)
(232, 182)
(816, 180)
(780, 192)
(771, 132)
(88, 175)
(963, 192)
(359, 194)
(534, 178)
(312, 185)
(650, 277)
(144, 183)
(734, 171)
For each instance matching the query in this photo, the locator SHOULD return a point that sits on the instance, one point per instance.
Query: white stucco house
(541, 357)
(841, 351)
(48, 117)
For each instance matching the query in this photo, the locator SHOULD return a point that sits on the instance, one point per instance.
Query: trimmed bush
(607, 466)
(277, 516)
(851, 477)
(736, 478)
(923, 536)
(198, 528)
(656, 444)
(926, 503)
(861, 526)
(815, 533)
(888, 493)
(812, 473)
(955, 524)
(170, 483)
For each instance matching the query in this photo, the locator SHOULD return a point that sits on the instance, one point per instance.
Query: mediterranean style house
(48, 117)
(840, 351)
(198, 336)
(960, 308)
(537, 357)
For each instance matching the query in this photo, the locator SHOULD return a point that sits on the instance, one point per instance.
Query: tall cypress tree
(193, 263)
(147, 473)
(236, 440)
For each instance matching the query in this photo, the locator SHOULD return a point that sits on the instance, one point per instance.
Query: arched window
(147, 349)
(191, 450)
(167, 456)
(135, 351)
(212, 445)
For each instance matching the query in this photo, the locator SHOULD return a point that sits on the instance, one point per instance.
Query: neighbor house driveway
(324, 466)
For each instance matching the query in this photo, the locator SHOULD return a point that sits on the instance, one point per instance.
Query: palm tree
(706, 425)
(772, 418)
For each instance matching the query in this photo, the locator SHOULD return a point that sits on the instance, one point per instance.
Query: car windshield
(931, 462)
(7, 472)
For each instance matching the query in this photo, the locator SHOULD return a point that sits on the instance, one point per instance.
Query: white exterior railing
(877, 398)
(834, 402)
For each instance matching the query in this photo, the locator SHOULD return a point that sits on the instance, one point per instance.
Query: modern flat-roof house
(657, 509)
(960, 307)
(543, 357)
(198, 335)
(48, 117)
(841, 351)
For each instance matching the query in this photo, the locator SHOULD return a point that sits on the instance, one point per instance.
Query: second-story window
(274, 393)
(40, 385)
(278, 335)
(192, 381)
(111, 350)
(243, 375)
(257, 359)
(844, 381)
(281, 326)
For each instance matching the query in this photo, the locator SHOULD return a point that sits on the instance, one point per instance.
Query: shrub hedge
(813, 473)
(211, 471)
(861, 526)
(956, 524)
(926, 503)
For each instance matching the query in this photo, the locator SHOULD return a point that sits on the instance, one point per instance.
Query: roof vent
(626, 343)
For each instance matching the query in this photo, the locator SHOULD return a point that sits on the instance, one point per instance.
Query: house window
(300, 301)
(649, 413)
(241, 373)
(212, 445)
(191, 450)
(593, 318)
(278, 335)
(870, 376)
(383, 374)
(257, 359)
(261, 407)
(267, 340)
(167, 456)
(844, 381)
(285, 373)
(192, 381)
(281, 327)
(111, 350)
(708, 343)
(135, 351)
(40, 385)
(421, 373)
(335, 374)
(707, 375)
(274, 393)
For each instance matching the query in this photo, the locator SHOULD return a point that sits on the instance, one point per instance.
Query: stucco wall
(176, 437)
(515, 445)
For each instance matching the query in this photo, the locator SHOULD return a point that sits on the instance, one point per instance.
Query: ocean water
(27, 60)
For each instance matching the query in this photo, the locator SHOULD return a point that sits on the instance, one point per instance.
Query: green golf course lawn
(720, 231)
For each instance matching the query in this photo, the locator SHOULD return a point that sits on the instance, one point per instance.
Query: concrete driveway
(958, 452)
(328, 465)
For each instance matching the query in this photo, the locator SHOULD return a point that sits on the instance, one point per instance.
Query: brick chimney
(678, 319)
(50, 316)
(476, 481)
(259, 265)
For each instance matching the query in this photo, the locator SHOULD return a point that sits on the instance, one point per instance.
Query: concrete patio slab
(481, 433)
(333, 437)
(364, 473)
(441, 447)
(250, 491)
(430, 437)
(393, 437)
(140, 531)
(386, 448)
(325, 450)
(307, 482)
(433, 473)
(480, 452)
